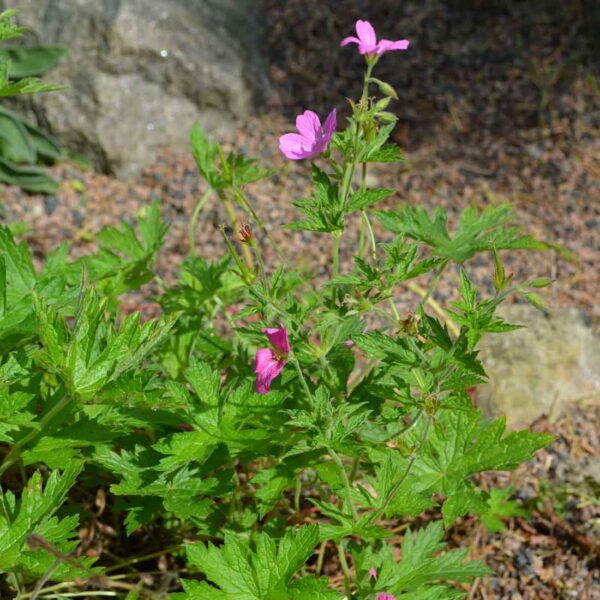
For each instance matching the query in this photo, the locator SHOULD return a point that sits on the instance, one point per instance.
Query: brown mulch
(499, 102)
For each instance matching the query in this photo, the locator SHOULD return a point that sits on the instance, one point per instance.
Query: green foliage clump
(23, 146)
(363, 427)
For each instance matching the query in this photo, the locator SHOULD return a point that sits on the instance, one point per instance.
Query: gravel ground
(486, 117)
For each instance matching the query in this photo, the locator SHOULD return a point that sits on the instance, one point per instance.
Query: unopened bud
(385, 88)
(387, 116)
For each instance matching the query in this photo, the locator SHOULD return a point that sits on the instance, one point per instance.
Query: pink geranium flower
(367, 41)
(269, 362)
(385, 596)
(311, 140)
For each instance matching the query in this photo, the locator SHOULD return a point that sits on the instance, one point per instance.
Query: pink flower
(269, 362)
(373, 573)
(385, 596)
(367, 41)
(312, 139)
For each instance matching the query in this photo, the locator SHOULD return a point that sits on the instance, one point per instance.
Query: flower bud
(385, 88)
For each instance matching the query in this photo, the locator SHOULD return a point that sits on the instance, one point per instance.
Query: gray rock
(541, 369)
(140, 72)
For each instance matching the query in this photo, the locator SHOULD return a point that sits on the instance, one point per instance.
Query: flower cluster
(311, 140)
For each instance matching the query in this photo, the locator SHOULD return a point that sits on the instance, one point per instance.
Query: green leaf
(462, 444)
(204, 154)
(371, 148)
(256, 569)
(32, 61)
(486, 231)
(388, 153)
(366, 198)
(322, 212)
(8, 29)
(45, 145)
(18, 268)
(28, 85)
(423, 565)
(31, 179)
(500, 507)
(15, 142)
(33, 512)
(125, 258)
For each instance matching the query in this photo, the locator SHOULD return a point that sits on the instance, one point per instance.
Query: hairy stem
(345, 570)
(433, 284)
(336, 253)
(347, 485)
(301, 377)
(371, 236)
(193, 220)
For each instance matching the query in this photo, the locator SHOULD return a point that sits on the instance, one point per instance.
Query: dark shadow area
(492, 66)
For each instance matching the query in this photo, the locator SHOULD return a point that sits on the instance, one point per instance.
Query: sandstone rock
(541, 369)
(140, 72)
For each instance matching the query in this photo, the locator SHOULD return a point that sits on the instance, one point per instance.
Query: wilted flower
(269, 362)
(367, 41)
(373, 573)
(246, 235)
(311, 140)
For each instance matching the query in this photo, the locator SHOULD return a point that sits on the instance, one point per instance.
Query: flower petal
(366, 33)
(349, 40)
(329, 125)
(388, 45)
(368, 48)
(278, 338)
(294, 146)
(267, 368)
(309, 125)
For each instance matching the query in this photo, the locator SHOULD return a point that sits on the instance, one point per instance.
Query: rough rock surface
(140, 72)
(539, 370)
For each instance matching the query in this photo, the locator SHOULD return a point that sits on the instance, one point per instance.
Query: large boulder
(541, 369)
(140, 72)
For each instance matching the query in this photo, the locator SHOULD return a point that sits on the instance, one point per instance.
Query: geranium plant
(274, 443)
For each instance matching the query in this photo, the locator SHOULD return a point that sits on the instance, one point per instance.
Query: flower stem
(434, 283)
(320, 558)
(371, 236)
(301, 377)
(345, 570)
(337, 235)
(365, 90)
(347, 485)
(194, 219)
